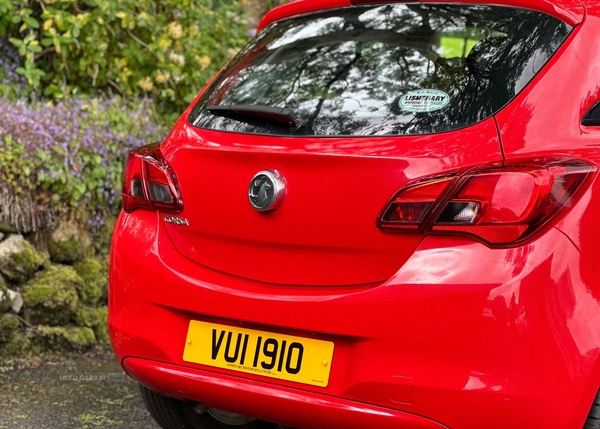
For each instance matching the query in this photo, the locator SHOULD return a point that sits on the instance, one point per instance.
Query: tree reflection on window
(343, 72)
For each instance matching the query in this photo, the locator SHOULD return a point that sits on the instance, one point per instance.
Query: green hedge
(165, 49)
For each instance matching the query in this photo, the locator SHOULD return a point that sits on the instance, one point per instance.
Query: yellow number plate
(302, 360)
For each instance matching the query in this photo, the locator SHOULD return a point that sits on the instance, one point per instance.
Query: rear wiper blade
(282, 115)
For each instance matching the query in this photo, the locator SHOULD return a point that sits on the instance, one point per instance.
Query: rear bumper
(256, 399)
(463, 335)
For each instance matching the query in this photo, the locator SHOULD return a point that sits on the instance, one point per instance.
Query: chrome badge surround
(266, 190)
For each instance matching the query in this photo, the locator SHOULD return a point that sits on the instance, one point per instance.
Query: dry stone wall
(53, 296)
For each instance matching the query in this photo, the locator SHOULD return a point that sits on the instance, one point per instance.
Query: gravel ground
(38, 394)
(32, 395)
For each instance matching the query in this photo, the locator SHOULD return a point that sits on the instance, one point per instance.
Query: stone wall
(53, 294)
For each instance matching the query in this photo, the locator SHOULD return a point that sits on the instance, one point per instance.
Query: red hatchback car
(377, 215)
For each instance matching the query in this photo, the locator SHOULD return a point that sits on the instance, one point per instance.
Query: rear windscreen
(393, 69)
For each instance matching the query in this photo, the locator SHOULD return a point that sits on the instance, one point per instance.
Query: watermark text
(106, 377)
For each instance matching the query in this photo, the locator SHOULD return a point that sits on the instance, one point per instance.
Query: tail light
(502, 205)
(149, 182)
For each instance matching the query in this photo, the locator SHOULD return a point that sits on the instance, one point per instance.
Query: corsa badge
(176, 220)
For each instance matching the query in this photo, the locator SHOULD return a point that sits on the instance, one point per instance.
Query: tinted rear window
(392, 69)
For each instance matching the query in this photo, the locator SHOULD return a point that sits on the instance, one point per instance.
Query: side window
(592, 117)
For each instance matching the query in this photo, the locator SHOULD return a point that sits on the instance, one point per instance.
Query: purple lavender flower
(74, 142)
(9, 61)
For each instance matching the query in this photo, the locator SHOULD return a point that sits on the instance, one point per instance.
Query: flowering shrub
(68, 156)
(10, 80)
(165, 49)
(65, 157)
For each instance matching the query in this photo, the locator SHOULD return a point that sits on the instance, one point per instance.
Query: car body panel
(447, 341)
(321, 410)
(333, 247)
(529, 124)
(570, 11)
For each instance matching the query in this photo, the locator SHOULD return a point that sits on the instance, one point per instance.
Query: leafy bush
(68, 156)
(165, 49)
(10, 81)
(84, 81)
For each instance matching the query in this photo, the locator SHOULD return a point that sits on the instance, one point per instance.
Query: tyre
(172, 413)
(593, 420)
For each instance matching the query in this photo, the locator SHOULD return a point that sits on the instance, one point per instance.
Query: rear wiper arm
(282, 115)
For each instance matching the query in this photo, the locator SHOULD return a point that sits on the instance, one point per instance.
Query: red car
(377, 215)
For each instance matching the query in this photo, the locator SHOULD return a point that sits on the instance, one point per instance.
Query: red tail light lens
(411, 205)
(149, 182)
(500, 205)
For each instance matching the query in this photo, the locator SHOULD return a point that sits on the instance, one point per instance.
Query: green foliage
(16, 168)
(165, 49)
(68, 156)
(274, 3)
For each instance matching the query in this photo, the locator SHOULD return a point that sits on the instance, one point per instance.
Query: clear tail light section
(499, 205)
(149, 182)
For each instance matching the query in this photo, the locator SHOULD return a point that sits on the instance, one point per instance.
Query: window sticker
(424, 100)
